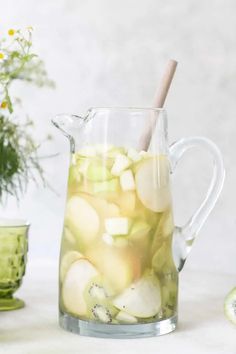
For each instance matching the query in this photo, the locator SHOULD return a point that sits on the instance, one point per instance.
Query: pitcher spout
(68, 124)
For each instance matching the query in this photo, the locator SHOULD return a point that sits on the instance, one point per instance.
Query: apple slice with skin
(66, 261)
(142, 299)
(82, 219)
(152, 183)
(127, 181)
(74, 285)
(124, 317)
(117, 267)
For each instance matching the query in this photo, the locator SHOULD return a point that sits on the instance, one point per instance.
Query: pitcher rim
(127, 108)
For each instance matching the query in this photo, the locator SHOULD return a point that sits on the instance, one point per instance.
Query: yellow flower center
(4, 104)
(11, 32)
(1, 55)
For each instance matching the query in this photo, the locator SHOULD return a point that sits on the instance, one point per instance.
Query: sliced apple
(124, 317)
(127, 181)
(76, 279)
(66, 261)
(115, 267)
(142, 299)
(82, 219)
(152, 183)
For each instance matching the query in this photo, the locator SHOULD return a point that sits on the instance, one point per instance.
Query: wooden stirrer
(158, 102)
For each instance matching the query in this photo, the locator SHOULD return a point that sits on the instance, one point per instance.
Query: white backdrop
(109, 52)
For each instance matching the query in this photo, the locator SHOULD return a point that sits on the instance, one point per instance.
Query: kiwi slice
(97, 298)
(230, 306)
(101, 313)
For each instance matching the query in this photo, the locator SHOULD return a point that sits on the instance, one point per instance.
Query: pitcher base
(92, 329)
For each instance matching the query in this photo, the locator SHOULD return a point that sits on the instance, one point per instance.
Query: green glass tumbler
(13, 257)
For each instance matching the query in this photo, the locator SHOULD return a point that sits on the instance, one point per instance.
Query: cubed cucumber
(117, 225)
(96, 172)
(133, 155)
(122, 162)
(110, 186)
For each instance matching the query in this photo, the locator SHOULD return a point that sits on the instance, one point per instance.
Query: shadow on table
(29, 333)
(194, 314)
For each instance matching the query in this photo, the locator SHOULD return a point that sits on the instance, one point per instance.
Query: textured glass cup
(120, 251)
(13, 257)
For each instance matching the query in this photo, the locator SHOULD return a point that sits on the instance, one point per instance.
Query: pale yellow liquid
(119, 260)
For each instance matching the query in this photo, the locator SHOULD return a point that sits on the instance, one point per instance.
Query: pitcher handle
(184, 236)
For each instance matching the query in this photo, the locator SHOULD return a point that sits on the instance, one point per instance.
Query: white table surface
(202, 326)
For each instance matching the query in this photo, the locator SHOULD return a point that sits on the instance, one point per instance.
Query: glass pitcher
(120, 251)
